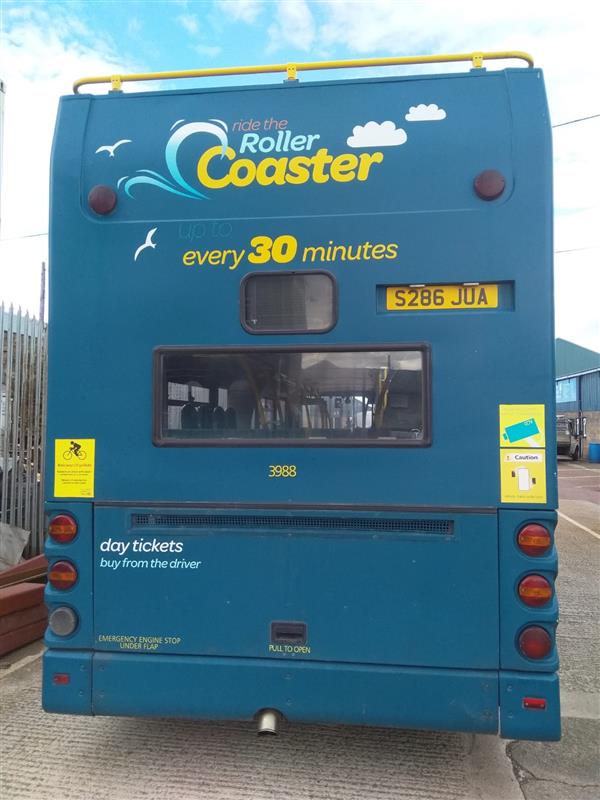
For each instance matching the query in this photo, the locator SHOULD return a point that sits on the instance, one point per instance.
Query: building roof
(572, 359)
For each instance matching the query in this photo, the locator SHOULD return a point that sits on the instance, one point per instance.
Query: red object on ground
(20, 596)
(19, 619)
(32, 568)
(28, 633)
(23, 615)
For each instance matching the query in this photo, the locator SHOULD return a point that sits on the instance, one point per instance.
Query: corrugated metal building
(579, 392)
(578, 389)
(571, 359)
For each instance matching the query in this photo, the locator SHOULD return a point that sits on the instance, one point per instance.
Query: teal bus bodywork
(297, 495)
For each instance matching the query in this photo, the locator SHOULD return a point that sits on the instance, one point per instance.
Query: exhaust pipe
(268, 721)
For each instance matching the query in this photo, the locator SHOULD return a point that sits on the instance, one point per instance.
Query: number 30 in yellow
(281, 250)
(282, 471)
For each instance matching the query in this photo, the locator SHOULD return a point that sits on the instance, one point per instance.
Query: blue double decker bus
(301, 402)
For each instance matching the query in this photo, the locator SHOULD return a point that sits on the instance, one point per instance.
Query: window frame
(288, 331)
(159, 388)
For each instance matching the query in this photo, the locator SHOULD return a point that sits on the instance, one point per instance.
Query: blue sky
(46, 45)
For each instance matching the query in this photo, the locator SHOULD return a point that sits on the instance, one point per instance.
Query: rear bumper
(303, 691)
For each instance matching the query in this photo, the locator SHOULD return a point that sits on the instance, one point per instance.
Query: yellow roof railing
(292, 69)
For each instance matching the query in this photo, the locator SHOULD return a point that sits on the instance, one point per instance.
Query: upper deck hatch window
(291, 395)
(288, 303)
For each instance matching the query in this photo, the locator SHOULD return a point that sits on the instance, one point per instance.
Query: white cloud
(294, 26)
(208, 50)
(564, 45)
(241, 10)
(43, 53)
(189, 23)
(577, 288)
(425, 113)
(377, 134)
(134, 26)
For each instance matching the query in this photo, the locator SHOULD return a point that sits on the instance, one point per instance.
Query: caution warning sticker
(522, 476)
(522, 425)
(74, 461)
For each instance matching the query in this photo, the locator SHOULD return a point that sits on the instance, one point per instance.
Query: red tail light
(489, 184)
(62, 528)
(537, 703)
(62, 575)
(102, 199)
(534, 590)
(534, 540)
(535, 642)
(61, 678)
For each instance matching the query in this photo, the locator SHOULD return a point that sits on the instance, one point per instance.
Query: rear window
(291, 395)
(299, 302)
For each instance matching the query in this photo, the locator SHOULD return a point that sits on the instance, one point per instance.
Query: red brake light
(534, 590)
(61, 678)
(62, 575)
(535, 642)
(62, 528)
(534, 540)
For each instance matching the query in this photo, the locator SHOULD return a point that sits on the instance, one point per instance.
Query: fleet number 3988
(282, 471)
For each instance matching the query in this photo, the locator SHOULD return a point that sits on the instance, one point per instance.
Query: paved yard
(49, 757)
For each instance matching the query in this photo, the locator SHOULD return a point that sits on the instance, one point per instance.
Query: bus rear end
(301, 372)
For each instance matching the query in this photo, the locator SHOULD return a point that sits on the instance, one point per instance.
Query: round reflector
(62, 621)
(535, 642)
(489, 184)
(62, 575)
(535, 590)
(62, 528)
(534, 540)
(102, 199)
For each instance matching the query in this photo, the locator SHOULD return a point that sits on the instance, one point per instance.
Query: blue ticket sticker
(520, 430)
(522, 424)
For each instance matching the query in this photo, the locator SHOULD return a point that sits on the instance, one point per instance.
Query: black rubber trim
(158, 388)
(298, 506)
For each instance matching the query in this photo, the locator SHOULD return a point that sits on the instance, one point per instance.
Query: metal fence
(23, 351)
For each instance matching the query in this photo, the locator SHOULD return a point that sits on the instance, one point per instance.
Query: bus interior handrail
(292, 69)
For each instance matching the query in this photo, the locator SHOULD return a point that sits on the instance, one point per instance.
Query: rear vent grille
(439, 526)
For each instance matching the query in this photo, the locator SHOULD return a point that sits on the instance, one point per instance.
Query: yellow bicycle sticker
(74, 467)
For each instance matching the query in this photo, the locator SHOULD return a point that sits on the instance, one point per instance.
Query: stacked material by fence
(31, 570)
(23, 615)
(22, 424)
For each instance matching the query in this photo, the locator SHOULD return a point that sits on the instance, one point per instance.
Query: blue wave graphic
(176, 184)
(162, 184)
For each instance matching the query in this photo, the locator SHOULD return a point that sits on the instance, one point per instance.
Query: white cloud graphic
(377, 134)
(425, 113)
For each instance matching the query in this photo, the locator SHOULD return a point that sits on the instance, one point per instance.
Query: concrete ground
(50, 757)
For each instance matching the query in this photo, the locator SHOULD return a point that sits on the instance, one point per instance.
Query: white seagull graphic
(147, 243)
(110, 148)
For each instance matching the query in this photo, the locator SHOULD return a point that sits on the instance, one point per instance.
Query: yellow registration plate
(447, 296)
